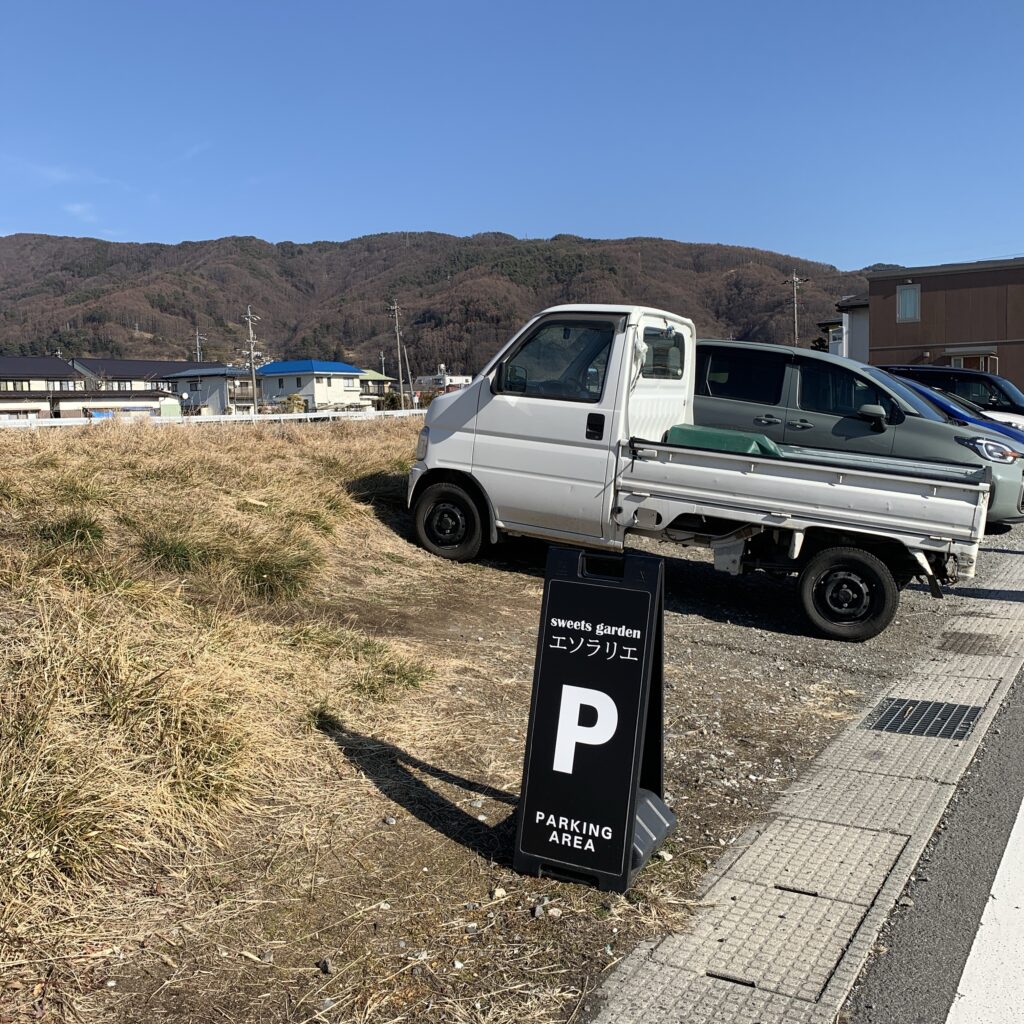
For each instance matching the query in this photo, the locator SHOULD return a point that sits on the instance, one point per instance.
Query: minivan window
(911, 398)
(562, 359)
(828, 388)
(987, 393)
(746, 375)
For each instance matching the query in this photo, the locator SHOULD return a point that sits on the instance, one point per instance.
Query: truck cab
(537, 431)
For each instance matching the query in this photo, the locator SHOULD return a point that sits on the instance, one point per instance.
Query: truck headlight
(994, 451)
(421, 444)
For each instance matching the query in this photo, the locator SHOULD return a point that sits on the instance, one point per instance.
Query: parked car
(580, 431)
(816, 400)
(993, 393)
(996, 415)
(966, 412)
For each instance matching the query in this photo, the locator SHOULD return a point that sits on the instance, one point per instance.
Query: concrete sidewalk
(793, 909)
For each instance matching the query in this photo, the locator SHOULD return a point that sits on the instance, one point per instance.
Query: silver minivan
(816, 400)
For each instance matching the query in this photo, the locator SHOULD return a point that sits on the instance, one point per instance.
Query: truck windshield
(562, 359)
(908, 397)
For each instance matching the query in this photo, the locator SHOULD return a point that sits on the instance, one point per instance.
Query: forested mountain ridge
(460, 297)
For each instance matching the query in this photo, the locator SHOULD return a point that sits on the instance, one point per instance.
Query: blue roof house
(322, 385)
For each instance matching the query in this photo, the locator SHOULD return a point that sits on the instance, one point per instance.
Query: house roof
(947, 268)
(113, 397)
(319, 366)
(373, 375)
(852, 301)
(37, 367)
(141, 369)
(217, 370)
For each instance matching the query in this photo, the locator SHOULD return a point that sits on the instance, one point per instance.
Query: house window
(280, 383)
(298, 382)
(13, 385)
(908, 303)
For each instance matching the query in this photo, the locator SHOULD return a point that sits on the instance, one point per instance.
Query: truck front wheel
(448, 522)
(848, 594)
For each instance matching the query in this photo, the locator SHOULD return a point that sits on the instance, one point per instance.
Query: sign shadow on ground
(396, 774)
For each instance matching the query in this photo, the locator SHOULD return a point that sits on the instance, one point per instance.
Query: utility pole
(797, 281)
(383, 372)
(395, 310)
(200, 338)
(251, 318)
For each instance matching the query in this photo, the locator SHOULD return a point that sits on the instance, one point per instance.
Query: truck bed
(927, 506)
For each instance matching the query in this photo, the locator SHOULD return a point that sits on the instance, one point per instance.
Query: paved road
(892, 840)
(917, 979)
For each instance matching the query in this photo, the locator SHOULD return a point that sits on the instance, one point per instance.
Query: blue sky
(852, 134)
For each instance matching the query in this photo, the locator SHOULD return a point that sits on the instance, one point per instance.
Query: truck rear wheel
(448, 522)
(848, 594)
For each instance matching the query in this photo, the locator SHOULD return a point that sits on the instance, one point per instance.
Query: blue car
(953, 407)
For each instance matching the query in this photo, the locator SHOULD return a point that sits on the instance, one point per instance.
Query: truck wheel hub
(845, 594)
(448, 523)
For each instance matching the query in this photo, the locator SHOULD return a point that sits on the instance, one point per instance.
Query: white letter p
(570, 732)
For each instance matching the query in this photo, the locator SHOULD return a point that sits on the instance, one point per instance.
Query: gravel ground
(395, 868)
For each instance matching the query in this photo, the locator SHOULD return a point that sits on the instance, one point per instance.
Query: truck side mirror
(875, 414)
(512, 379)
(498, 379)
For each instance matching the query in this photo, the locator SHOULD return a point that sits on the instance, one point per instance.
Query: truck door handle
(766, 421)
(595, 426)
(800, 424)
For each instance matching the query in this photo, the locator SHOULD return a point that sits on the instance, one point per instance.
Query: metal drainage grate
(963, 642)
(932, 718)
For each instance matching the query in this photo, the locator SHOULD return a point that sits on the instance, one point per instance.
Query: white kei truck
(580, 431)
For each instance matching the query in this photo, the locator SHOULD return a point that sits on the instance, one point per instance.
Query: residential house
(134, 374)
(373, 386)
(442, 381)
(41, 387)
(967, 315)
(321, 385)
(213, 390)
(848, 333)
(28, 382)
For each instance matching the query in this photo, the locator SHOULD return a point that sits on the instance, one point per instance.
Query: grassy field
(260, 754)
(222, 663)
(176, 621)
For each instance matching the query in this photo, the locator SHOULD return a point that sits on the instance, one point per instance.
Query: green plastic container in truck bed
(709, 439)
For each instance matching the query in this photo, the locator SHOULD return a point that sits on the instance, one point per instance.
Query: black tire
(848, 594)
(448, 522)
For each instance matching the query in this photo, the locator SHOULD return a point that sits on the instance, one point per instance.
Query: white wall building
(320, 384)
(213, 390)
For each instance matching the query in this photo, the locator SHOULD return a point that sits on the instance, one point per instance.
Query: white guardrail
(189, 421)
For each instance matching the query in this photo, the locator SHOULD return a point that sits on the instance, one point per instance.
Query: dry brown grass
(169, 616)
(239, 714)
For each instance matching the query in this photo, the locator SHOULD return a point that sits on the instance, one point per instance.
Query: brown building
(956, 314)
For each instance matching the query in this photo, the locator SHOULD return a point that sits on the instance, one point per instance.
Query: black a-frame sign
(591, 807)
